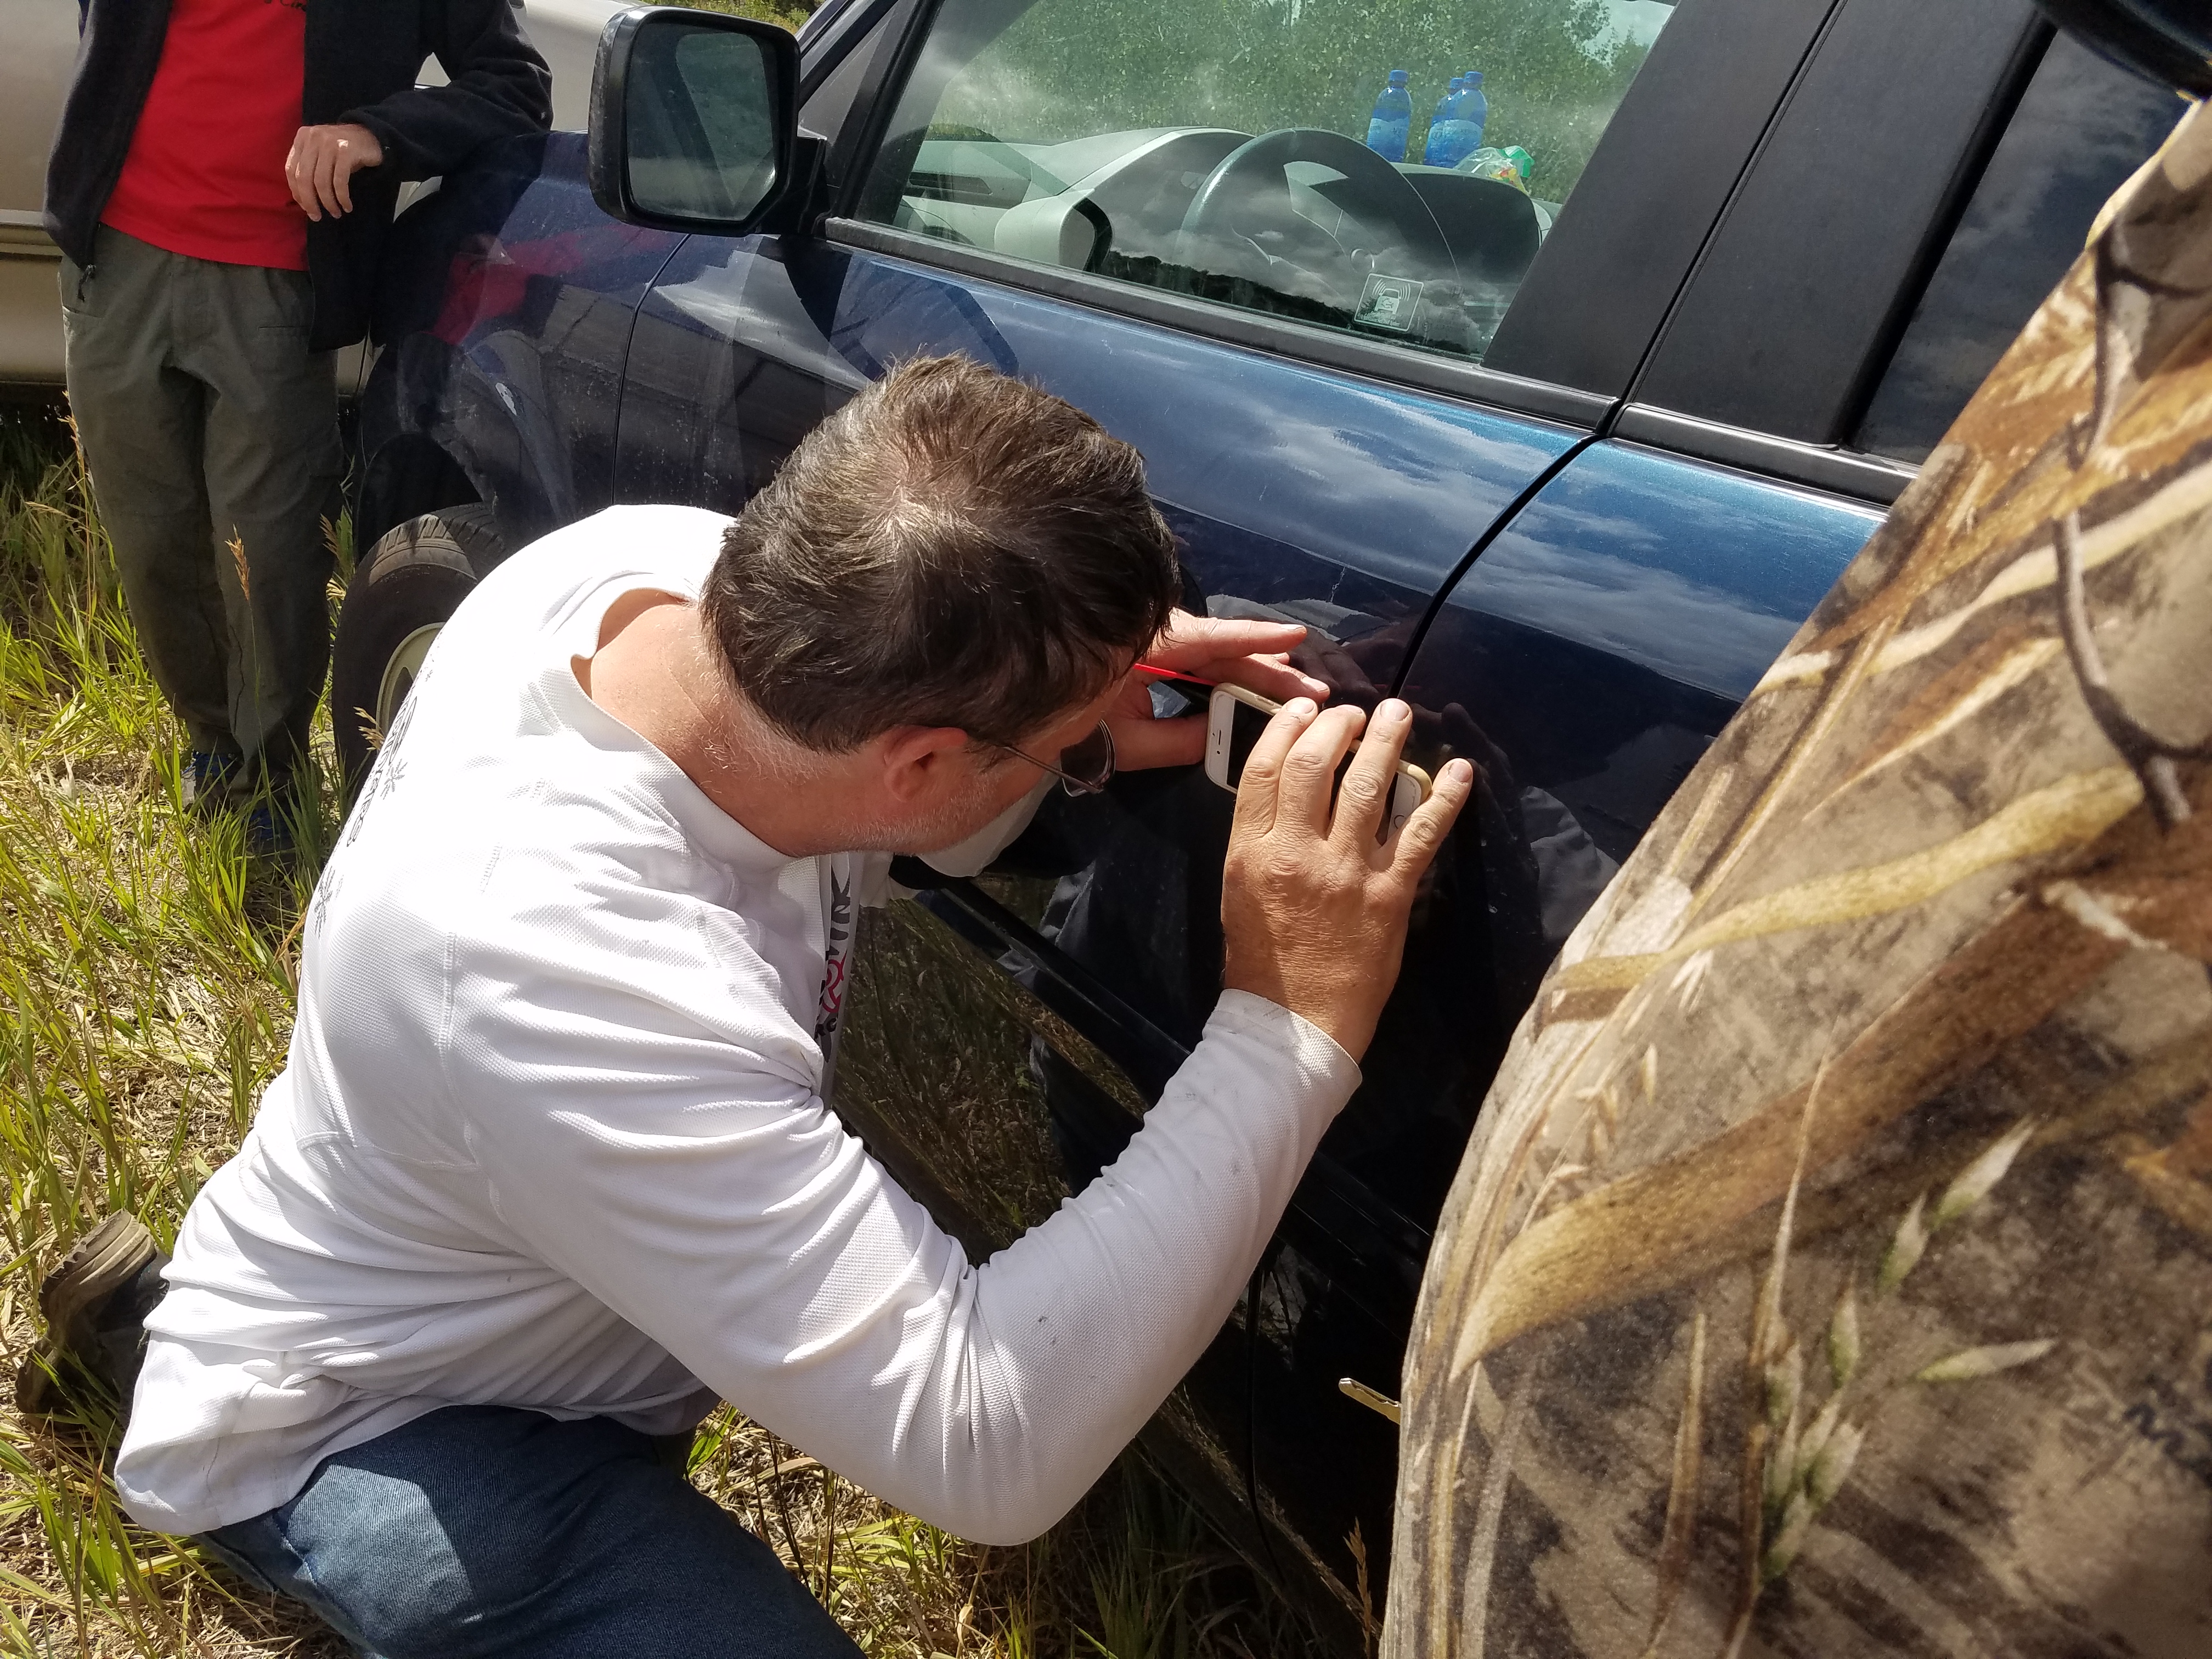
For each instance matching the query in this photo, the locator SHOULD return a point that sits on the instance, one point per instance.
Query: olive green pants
(211, 431)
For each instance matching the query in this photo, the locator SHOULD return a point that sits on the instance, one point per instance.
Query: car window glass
(1304, 158)
(2082, 128)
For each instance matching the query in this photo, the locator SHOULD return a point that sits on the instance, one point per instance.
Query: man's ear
(913, 758)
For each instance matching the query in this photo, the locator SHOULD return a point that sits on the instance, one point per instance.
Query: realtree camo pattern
(1831, 1273)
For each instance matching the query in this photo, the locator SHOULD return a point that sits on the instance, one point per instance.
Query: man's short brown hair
(950, 548)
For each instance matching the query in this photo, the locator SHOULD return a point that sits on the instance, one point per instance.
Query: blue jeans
(483, 1532)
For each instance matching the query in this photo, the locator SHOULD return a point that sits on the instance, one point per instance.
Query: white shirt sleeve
(726, 1212)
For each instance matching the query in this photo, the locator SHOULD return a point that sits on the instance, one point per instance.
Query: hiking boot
(207, 773)
(95, 1305)
(269, 831)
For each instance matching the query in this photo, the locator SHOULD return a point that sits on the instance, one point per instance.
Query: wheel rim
(399, 671)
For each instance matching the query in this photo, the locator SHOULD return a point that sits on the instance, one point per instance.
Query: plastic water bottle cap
(1398, 77)
(1458, 84)
(1472, 78)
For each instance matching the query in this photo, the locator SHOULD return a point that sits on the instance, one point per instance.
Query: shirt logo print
(833, 961)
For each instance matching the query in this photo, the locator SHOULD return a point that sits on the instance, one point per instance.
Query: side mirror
(695, 123)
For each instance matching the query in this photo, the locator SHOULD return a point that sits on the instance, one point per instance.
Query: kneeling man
(550, 1170)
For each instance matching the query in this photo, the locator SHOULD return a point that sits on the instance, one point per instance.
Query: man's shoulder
(471, 872)
(543, 583)
(587, 936)
(642, 533)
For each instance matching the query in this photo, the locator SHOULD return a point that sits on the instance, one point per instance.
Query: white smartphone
(1235, 718)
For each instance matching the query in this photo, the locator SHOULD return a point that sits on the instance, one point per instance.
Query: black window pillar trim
(1654, 346)
(1399, 366)
(1566, 316)
(1966, 178)
(1682, 368)
(896, 41)
(823, 48)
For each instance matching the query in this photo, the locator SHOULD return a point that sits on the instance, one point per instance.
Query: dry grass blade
(1973, 1362)
(1703, 1207)
(1682, 1494)
(1489, 1506)
(1369, 1627)
(1906, 1246)
(1844, 1346)
(1832, 1466)
(2064, 816)
(1972, 1184)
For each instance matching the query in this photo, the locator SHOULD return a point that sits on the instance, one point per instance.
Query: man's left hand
(322, 164)
(1252, 654)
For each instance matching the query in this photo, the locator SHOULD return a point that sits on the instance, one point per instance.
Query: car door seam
(1496, 528)
(630, 339)
(1608, 421)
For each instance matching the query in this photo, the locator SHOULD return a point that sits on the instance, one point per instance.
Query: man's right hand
(323, 162)
(1313, 908)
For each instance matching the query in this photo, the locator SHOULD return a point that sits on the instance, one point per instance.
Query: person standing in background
(221, 184)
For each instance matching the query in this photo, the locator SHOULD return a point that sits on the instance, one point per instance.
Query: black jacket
(362, 57)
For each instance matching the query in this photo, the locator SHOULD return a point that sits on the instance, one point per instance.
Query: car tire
(410, 584)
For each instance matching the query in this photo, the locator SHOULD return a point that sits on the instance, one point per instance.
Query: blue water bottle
(1394, 118)
(1443, 139)
(1474, 113)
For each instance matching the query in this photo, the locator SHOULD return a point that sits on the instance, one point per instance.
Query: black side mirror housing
(695, 123)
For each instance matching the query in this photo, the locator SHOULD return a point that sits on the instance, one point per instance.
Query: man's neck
(656, 673)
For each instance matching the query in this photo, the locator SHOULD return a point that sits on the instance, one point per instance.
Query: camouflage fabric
(1831, 1272)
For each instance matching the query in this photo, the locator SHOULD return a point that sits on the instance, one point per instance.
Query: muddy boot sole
(105, 1261)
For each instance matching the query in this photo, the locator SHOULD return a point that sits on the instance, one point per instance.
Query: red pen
(1173, 674)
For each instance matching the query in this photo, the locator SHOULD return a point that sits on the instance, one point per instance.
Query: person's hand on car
(1313, 907)
(1252, 654)
(322, 164)
(1327, 660)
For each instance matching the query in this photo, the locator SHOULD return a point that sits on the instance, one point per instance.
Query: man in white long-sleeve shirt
(550, 1171)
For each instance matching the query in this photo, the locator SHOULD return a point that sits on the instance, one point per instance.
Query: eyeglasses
(1085, 768)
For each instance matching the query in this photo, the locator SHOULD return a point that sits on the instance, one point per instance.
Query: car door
(1317, 459)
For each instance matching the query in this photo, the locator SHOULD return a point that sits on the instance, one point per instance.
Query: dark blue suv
(1557, 429)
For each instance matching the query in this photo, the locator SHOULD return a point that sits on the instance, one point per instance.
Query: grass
(767, 11)
(147, 973)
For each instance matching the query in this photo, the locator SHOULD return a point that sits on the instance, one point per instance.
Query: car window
(1304, 158)
(2082, 128)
